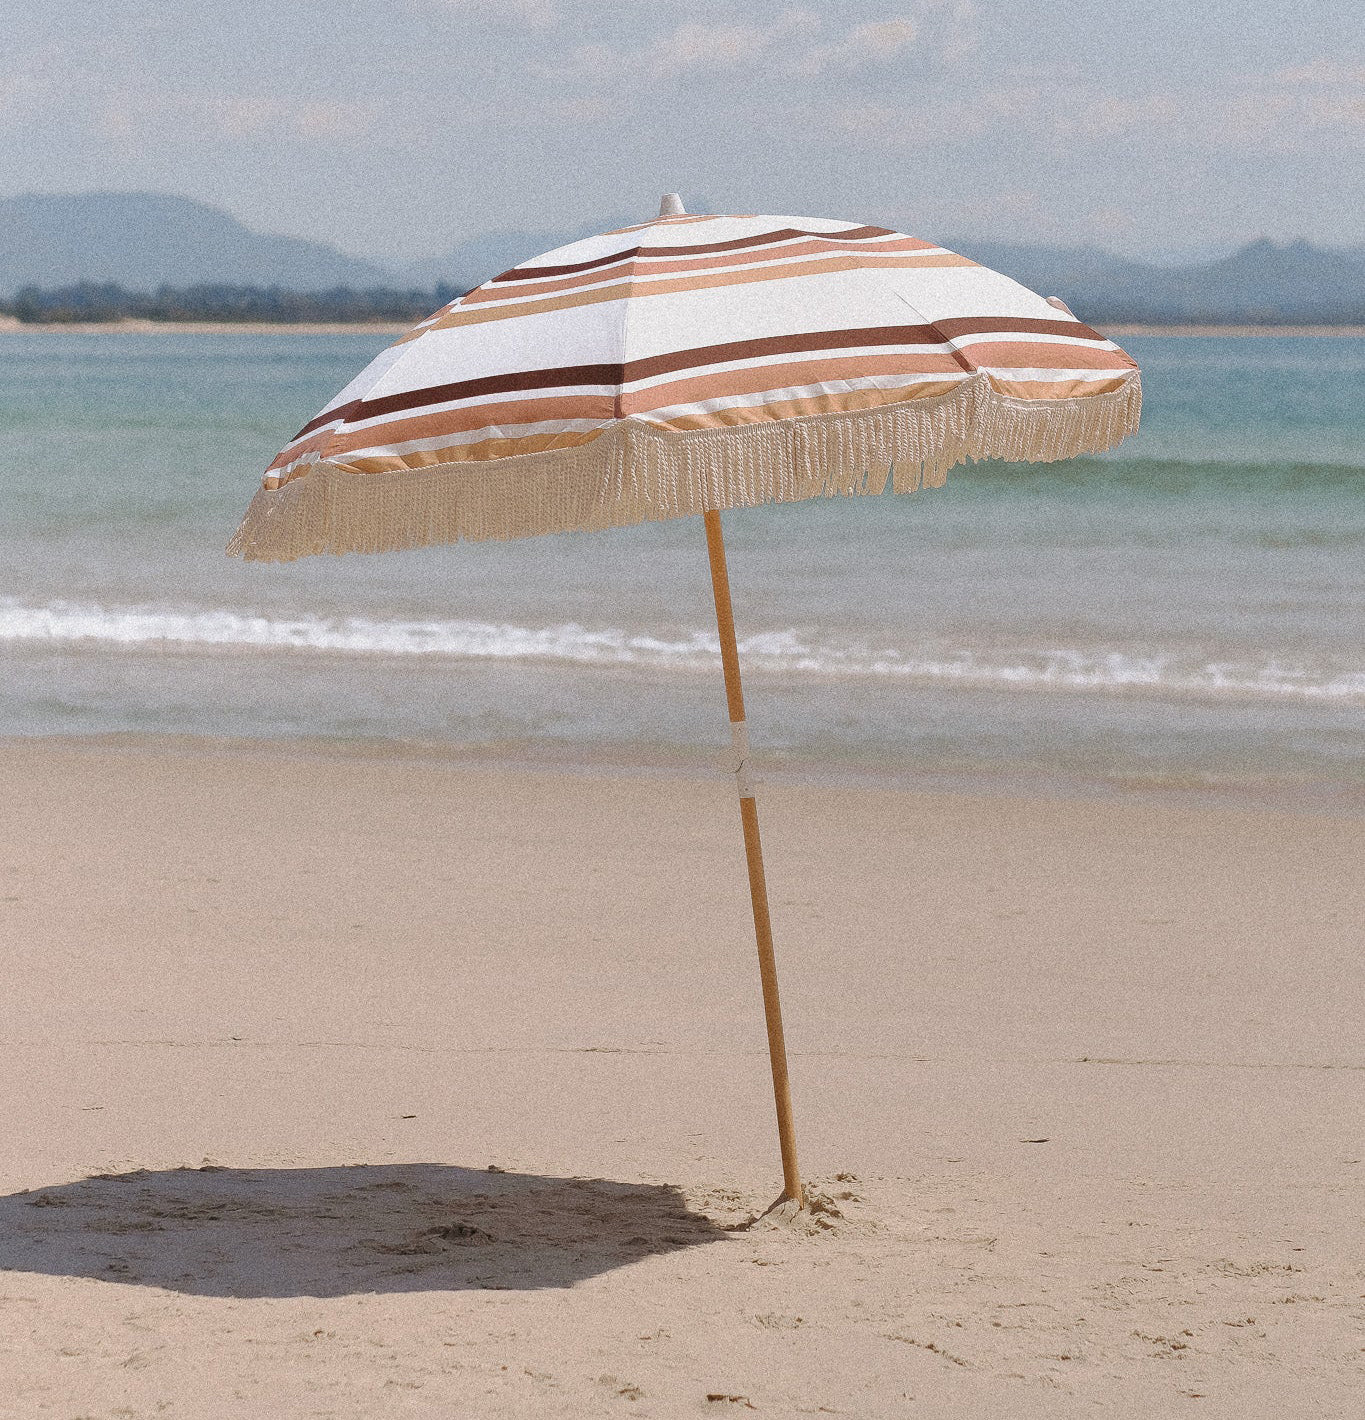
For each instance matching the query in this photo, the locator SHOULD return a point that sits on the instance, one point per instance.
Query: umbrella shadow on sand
(330, 1232)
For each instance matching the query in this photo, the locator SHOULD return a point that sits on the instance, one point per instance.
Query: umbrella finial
(671, 206)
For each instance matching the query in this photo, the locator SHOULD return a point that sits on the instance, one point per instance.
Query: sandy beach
(365, 1084)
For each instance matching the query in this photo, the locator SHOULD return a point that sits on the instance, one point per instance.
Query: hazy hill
(142, 240)
(1262, 281)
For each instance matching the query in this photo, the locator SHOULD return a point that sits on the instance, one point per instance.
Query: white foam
(1096, 670)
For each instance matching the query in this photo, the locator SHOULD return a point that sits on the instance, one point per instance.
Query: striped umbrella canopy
(686, 365)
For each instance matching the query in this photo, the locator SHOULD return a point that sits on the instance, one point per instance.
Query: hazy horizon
(1182, 133)
(1194, 254)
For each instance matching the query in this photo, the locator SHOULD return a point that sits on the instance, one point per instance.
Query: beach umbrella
(683, 366)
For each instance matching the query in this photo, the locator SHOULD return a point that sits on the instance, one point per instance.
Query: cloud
(876, 43)
(1292, 110)
(796, 42)
(1332, 73)
(137, 115)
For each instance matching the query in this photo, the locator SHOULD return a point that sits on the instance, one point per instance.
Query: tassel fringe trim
(634, 473)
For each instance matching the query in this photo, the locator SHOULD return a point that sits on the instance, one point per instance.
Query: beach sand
(367, 1084)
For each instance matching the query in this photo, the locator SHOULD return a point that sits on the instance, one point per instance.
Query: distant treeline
(93, 301)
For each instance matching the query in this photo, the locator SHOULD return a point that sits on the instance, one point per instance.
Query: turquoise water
(1187, 611)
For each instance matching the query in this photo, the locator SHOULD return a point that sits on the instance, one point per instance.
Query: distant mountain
(472, 262)
(143, 240)
(1261, 282)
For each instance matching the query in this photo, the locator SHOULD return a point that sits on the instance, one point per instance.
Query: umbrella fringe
(634, 473)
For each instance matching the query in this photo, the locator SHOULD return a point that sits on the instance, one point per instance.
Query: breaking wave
(1042, 667)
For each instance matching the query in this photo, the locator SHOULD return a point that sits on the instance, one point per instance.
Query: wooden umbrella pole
(753, 852)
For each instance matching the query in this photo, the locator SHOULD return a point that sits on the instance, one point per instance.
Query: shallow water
(1186, 611)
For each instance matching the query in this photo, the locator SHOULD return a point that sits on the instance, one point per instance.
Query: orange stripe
(467, 418)
(489, 449)
(472, 453)
(766, 256)
(1041, 355)
(636, 287)
(842, 403)
(475, 416)
(674, 221)
(795, 374)
(1045, 390)
(314, 445)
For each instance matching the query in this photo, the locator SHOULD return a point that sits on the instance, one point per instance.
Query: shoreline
(700, 767)
(11, 326)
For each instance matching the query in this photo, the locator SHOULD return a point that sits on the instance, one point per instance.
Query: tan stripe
(844, 402)
(314, 445)
(475, 416)
(788, 376)
(734, 261)
(603, 407)
(472, 453)
(1055, 389)
(419, 331)
(677, 221)
(637, 287)
(1041, 355)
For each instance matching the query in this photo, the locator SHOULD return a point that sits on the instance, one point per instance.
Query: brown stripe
(678, 265)
(640, 285)
(476, 416)
(563, 377)
(843, 402)
(795, 375)
(865, 337)
(674, 361)
(839, 403)
(1025, 354)
(605, 408)
(295, 450)
(784, 234)
(1010, 325)
(832, 403)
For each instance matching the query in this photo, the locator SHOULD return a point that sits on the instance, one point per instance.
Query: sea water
(1187, 612)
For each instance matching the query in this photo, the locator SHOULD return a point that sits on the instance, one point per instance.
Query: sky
(395, 128)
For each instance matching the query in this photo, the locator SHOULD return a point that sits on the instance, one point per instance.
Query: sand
(371, 1085)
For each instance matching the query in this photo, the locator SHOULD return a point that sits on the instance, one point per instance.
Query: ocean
(1183, 615)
